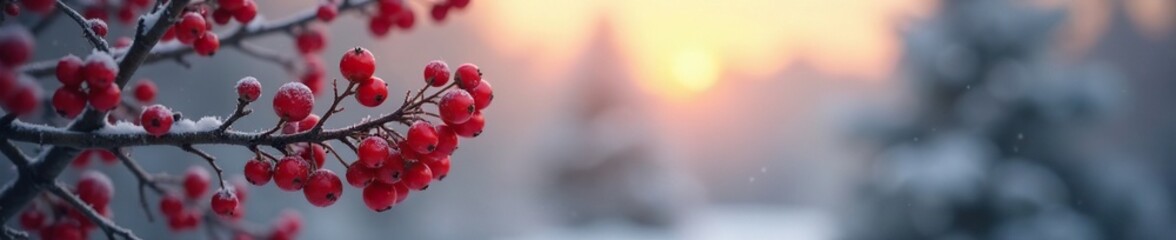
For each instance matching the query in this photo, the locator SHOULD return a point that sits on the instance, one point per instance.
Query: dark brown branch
(145, 180)
(16, 156)
(211, 161)
(88, 32)
(237, 114)
(109, 227)
(318, 127)
(267, 55)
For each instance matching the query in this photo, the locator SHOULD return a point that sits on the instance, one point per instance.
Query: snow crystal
(296, 90)
(203, 125)
(247, 80)
(150, 19)
(104, 58)
(122, 127)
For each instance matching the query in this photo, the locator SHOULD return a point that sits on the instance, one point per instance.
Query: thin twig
(88, 32)
(336, 153)
(275, 129)
(109, 227)
(268, 55)
(241, 111)
(211, 161)
(145, 180)
(318, 127)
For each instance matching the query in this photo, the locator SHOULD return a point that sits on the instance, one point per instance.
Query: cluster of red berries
(441, 9)
(83, 158)
(56, 219)
(90, 81)
(19, 94)
(311, 41)
(193, 29)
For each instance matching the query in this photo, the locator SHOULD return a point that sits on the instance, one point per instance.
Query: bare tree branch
(88, 32)
(267, 55)
(109, 227)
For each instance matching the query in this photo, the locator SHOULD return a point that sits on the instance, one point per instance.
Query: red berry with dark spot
(195, 182)
(372, 93)
(207, 44)
(482, 94)
(372, 151)
(145, 91)
(417, 177)
(379, 197)
(422, 137)
(248, 89)
(95, 188)
(437, 73)
(359, 176)
(312, 40)
(471, 128)
(293, 102)
(323, 188)
(156, 119)
(290, 173)
(225, 203)
(258, 172)
(69, 71)
(457, 106)
(446, 140)
(468, 76)
(98, 26)
(69, 101)
(17, 43)
(246, 13)
(392, 170)
(439, 167)
(100, 70)
(190, 27)
(357, 65)
(32, 219)
(105, 98)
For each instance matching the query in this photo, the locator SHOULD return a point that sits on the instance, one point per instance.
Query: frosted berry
(392, 170)
(207, 44)
(69, 101)
(17, 43)
(372, 93)
(300, 126)
(258, 172)
(468, 76)
(437, 73)
(246, 13)
(359, 176)
(312, 40)
(323, 188)
(471, 128)
(190, 27)
(379, 197)
(417, 177)
(422, 137)
(31, 219)
(195, 182)
(248, 89)
(457, 106)
(290, 173)
(357, 65)
(171, 205)
(293, 102)
(98, 26)
(372, 151)
(100, 70)
(69, 71)
(95, 188)
(105, 98)
(439, 167)
(225, 203)
(482, 94)
(145, 91)
(327, 12)
(156, 119)
(446, 140)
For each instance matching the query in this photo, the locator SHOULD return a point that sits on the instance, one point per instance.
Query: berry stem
(333, 152)
(211, 161)
(237, 114)
(145, 179)
(94, 39)
(109, 227)
(275, 129)
(318, 127)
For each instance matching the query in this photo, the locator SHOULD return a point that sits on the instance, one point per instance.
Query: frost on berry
(17, 43)
(95, 188)
(248, 89)
(156, 120)
(195, 182)
(372, 151)
(225, 203)
(69, 71)
(100, 69)
(457, 106)
(437, 73)
(293, 102)
(468, 76)
(98, 26)
(323, 188)
(290, 173)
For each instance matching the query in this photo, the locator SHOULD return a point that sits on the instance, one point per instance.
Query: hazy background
(693, 119)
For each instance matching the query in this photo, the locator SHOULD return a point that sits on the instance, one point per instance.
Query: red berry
(405, 153)
(468, 76)
(24, 99)
(379, 197)
(231, 5)
(39, 6)
(225, 203)
(69, 71)
(372, 151)
(422, 137)
(248, 89)
(482, 94)
(437, 73)
(312, 40)
(290, 173)
(446, 140)
(380, 25)
(457, 106)
(156, 119)
(401, 192)
(300, 126)
(289, 222)
(171, 205)
(323, 187)
(258, 172)
(387, 7)
(240, 187)
(82, 159)
(168, 34)
(357, 64)
(392, 170)
(222, 16)
(312, 152)
(293, 102)
(105, 98)
(69, 102)
(95, 11)
(471, 128)
(195, 182)
(190, 27)
(106, 155)
(459, 3)
(246, 13)
(417, 177)
(98, 26)
(439, 11)
(439, 167)
(100, 70)
(17, 43)
(405, 19)
(314, 81)
(327, 12)
(207, 44)
(95, 188)
(359, 176)
(31, 219)
(372, 93)
(145, 91)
